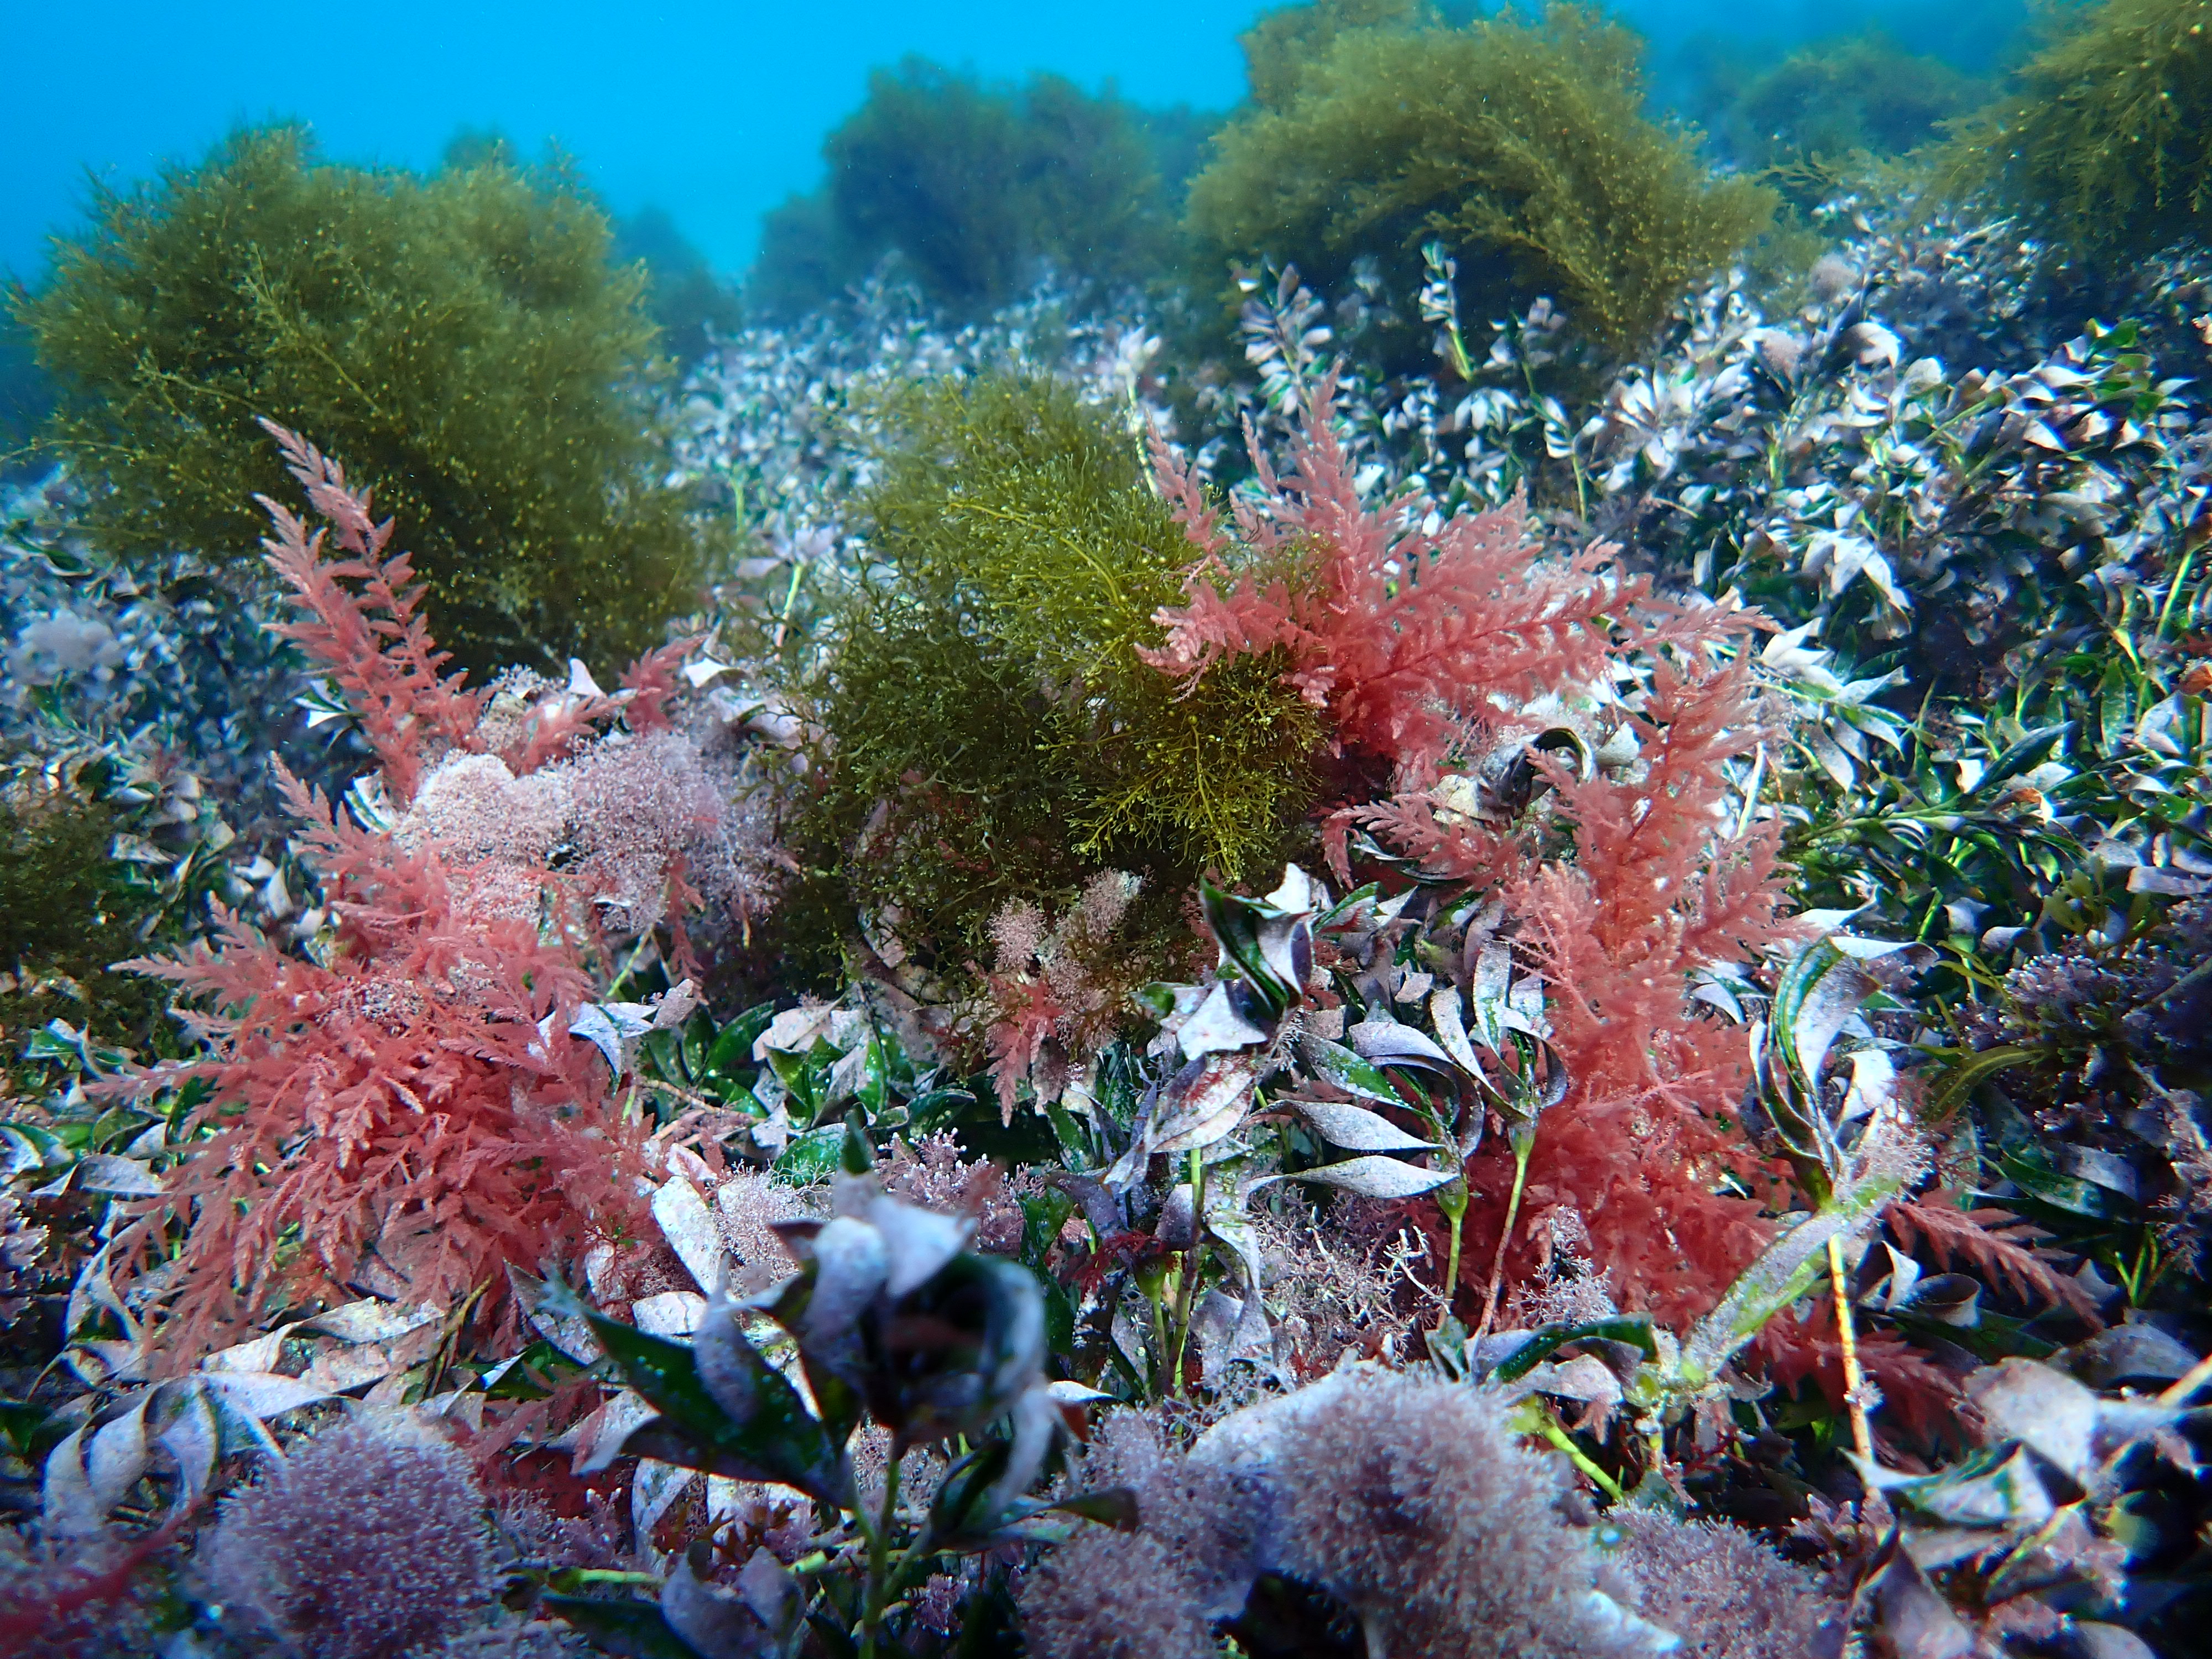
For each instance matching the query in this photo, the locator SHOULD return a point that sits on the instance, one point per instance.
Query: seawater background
(713, 112)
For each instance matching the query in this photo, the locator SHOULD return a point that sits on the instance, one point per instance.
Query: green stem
(1188, 1293)
(1523, 1144)
(880, 1539)
(1560, 1438)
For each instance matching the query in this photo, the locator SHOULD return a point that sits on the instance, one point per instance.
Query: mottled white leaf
(262, 1394)
(1219, 1028)
(194, 1439)
(67, 1508)
(1371, 1178)
(673, 1314)
(916, 1242)
(370, 1319)
(1355, 1128)
(653, 1490)
(688, 1227)
(598, 1440)
(103, 1172)
(795, 1031)
(117, 1455)
(1204, 1102)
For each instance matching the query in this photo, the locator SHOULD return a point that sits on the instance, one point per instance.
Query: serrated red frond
(371, 638)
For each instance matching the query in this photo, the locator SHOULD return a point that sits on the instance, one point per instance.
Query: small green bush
(68, 912)
(1833, 98)
(1516, 142)
(974, 184)
(688, 301)
(2105, 142)
(991, 732)
(463, 340)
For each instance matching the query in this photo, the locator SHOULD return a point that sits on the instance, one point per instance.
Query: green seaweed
(1830, 99)
(463, 340)
(990, 732)
(68, 912)
(2104, 144)
(1518, 143)
(973, 184)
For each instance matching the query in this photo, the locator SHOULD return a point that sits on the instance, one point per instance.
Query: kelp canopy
(1516, 142)
(464, 340)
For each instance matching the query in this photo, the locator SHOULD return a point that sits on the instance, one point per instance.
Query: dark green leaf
(812, 1157)
(776, 1438)
(732, 1051)
(1631, 1329)
(2028, 752)
(633, 1630)
(1112, 1506)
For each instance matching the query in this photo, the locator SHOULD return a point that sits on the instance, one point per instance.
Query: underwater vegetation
(1516, 142)
(689, 304)
(1480, 978)
(975, 186)
(988, 732)
(1830, 98)
(464, 338)
(2105, 142)
(26, 396)
(68, 911)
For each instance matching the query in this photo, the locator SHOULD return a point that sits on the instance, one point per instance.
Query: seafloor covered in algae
(1418, 864)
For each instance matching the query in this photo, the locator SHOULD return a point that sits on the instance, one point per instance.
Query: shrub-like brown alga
(464, 340)
(992, 732)
(1519, 144)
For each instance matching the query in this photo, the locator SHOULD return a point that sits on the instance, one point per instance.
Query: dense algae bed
(1423, 870)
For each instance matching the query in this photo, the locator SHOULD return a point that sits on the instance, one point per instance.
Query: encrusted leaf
(1355, 1128)
(1371, 1178)
(1341, 1068)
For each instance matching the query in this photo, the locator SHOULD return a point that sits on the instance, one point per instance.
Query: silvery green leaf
(1913, 1618)
(2039, 1407)
(1355, 1128)
(1873, 1085)
(2129, 1353)
(1372, 1177)
(1387, 1042)
(1997, 1488)
(1340, 1068)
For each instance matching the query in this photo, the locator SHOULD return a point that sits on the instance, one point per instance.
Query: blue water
(713, 112)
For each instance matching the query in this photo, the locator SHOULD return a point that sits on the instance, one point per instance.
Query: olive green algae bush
(1519, 143)
(2105, 142)
(465, 340)
(990, 731)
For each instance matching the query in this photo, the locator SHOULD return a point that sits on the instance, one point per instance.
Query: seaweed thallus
(991, 732)
(1518, 143)
(464, 338)
(2105, 142)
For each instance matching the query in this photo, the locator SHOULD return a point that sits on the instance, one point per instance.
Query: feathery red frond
(373, 641)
